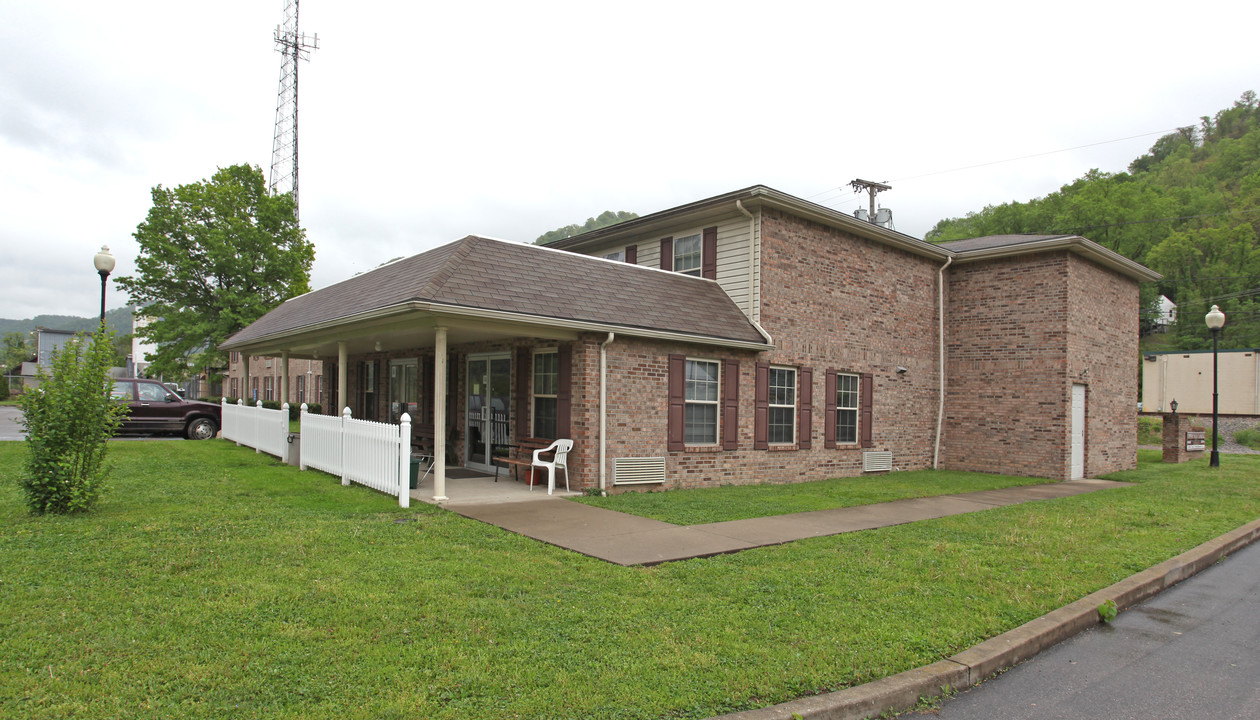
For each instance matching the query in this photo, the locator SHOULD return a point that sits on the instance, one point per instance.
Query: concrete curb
(903, 691)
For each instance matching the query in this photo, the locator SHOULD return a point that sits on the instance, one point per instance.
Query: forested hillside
(119, 320)
(1189, 209)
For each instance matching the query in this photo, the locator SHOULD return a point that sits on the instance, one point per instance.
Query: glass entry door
(489, 396)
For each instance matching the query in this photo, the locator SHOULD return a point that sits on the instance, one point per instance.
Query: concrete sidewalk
(631, 540)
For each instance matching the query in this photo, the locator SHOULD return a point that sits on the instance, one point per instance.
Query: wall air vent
(638, 471)
(880, 461)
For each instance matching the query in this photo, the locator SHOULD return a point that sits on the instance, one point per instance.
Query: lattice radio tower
(293, 46)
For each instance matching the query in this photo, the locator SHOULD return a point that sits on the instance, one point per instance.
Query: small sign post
(1196, 440)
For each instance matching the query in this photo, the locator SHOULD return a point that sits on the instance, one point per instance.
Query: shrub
(67, 420)
(4, 387)
(1249, 437)
(1150, 431)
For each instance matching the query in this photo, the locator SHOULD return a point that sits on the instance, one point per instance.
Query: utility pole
(871, 187)
(293, 46)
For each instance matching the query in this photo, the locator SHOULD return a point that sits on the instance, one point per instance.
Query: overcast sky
(422, 122)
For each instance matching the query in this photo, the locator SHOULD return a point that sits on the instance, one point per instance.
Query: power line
(1021, 157)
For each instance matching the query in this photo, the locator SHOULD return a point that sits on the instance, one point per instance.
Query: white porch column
(343, 357)
(439, 416)
(284, 377)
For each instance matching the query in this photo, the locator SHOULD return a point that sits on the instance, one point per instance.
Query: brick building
(748, 337)
(264, 379)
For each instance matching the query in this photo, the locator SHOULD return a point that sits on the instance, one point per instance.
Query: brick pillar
(1176, 438)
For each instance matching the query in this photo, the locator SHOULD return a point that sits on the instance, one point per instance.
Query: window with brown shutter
(667, 253)
(708, 254)
(730, 405)
(805, 422)
(864, 422)
(761, 410)
(632, 254)
(677, 403)
(564, 394)
(829, 410)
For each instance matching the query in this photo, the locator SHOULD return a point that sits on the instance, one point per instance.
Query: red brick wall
(1020, 332)
(830, 301)
(1103, 355)
(1006, 408)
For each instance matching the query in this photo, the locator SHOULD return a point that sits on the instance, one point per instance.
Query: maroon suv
(153, 408)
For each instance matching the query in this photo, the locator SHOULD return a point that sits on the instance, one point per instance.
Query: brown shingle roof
(478, 272)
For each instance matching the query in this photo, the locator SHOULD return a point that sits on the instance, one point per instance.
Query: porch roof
(481, 279)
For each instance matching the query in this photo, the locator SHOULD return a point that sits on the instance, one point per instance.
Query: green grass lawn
(737, 502)
(212, 582)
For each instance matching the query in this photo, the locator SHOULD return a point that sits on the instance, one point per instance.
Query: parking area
(9, 427)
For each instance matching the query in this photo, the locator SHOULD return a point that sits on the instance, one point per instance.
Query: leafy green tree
(214, 256)
(1189, 209)
(15, 349)
(606, 218)
(68, 418)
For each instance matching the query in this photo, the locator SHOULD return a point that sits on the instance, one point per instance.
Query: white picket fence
(374, 454)
(258, 427)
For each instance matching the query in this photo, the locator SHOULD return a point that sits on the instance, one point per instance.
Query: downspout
(940, 353)
(752, 265)
(603, 413)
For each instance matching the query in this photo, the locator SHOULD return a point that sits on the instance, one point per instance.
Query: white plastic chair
(561, 449)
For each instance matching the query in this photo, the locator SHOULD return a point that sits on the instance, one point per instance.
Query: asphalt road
(9, 428)
(1190, 652)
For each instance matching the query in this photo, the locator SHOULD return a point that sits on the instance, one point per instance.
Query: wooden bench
(520, 455)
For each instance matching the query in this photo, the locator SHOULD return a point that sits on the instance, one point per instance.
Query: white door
(1078, 431)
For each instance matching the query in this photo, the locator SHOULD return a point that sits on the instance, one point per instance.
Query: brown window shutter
(708, 253)
(805, 413)
(864, 418)
(667, 253)
(730, 405)
(829, 414)
(761, 411)
(564, 392)
(677, 402)
(632, 254)
(524, 379)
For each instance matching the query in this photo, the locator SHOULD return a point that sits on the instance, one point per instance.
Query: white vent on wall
(879, 461)
(638, 471)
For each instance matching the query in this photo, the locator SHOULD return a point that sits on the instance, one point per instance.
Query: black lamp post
(1215, 321)
(104, 265)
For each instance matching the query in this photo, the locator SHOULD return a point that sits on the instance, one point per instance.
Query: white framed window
(619, 255)
(846, 408)
(269, 385)
(782, 425)
(700, 413)
(687, 257)
(545, 387)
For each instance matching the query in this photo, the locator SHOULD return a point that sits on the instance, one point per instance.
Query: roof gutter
(752, 264)
(502, 316)
(1083, 246)
(940, 354)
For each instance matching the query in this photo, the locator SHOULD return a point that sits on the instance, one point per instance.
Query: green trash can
(415, 470)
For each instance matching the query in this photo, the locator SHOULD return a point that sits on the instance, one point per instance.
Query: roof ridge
(440, 278)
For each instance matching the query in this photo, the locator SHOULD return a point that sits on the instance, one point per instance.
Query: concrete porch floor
(481, 489)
